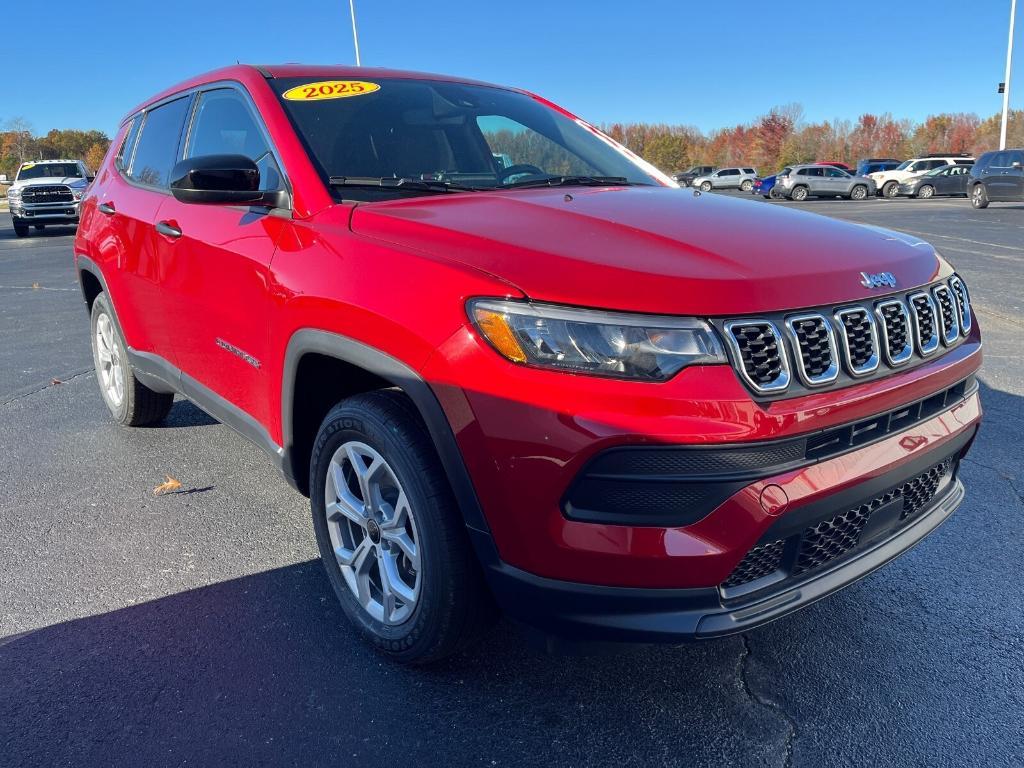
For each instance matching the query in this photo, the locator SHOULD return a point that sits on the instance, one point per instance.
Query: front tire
(979, 196)
(925, 192)
(891, 189)
(20, 230)
(860, 192)
(130, 402)
(390, 533)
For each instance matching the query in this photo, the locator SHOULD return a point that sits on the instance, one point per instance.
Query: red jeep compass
(513, 365)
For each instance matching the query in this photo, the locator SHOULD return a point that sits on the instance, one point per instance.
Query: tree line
(18, 144)
(782, 138)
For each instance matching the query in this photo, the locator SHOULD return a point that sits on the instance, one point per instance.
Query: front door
(220, 256)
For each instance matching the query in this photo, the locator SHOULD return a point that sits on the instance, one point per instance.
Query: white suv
(888, 182)
(727, 178)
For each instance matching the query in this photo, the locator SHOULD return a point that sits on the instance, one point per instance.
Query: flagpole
(1006, 81)
(355, 34)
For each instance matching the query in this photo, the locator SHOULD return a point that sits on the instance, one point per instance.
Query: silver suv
(805, 181)
(727, 178)
(47, 192)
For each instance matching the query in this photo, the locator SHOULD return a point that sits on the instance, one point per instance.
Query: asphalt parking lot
(197, 628)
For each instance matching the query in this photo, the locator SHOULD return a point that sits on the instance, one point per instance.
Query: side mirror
(231, 179)
(1015, 164)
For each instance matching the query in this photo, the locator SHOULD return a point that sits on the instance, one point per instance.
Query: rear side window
(224, 125)
(748, 170)
(124, 154)
(157, 149)
(1000, 160)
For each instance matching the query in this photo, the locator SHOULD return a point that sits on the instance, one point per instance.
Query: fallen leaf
(170, 484)
(55, 381)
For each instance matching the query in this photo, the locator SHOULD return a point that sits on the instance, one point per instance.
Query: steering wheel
(522, 169)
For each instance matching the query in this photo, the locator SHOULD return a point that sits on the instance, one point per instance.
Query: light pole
(355, 34)
(1006, 86)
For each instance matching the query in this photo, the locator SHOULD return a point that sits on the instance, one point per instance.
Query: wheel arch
(353, 367)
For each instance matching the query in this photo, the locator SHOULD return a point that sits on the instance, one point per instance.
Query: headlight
(78, 194)
(13, 193)
(646, 347)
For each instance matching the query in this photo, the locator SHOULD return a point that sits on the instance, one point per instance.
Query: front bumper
(45, 213)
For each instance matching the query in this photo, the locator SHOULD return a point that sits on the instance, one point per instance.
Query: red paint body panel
(396, 276)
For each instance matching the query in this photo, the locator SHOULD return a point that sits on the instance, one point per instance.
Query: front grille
(758, 346)
(46, 193)
(815, 343)
(761, 561)
(826, 541)
(922, 310)
(860, 341)
(947, 313)
(835, 346)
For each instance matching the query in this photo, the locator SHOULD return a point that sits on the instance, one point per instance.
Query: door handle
(106, 208)
(168, 230)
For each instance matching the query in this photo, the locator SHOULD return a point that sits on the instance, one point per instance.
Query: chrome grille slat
(963, 304)
(894, 328)
(759, 353)
(949, 324)
(814, 349)
(856, 326)
(923, 317)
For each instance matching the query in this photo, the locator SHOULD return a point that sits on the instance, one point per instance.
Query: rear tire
(891, 189)
(705, 186)
(746, 186)
(130, 402)
(799, 194)
(859, 192)
(774, 194)
(439, 602)
(979, 196)
(925, 191)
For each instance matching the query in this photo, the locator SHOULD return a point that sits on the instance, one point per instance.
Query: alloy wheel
(108, 359)
(373, 533)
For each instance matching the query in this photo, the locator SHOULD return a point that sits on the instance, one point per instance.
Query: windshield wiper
(400, 183)
(569, 181)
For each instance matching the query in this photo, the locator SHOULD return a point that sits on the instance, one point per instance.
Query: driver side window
(512, 143)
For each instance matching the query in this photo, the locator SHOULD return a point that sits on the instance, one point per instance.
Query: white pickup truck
(47, 192)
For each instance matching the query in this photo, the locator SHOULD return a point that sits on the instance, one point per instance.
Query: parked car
(686, 178)
(804, 181)
(727, 178)
(870, 165)
(943, 181)
(997, 177)
(47, 192)
(766, 186)
(888, 182)
(557, 386)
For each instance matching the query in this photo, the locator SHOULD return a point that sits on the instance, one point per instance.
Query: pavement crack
(56, 382)
(1008, 479)
(791, 724)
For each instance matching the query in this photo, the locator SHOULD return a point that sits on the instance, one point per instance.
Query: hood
(648, 249)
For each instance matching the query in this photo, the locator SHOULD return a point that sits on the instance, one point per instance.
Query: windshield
(470, 136)
(42, 170)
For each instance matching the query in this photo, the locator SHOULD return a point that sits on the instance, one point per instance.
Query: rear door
(131, 202)
(996, 175)
(220, 284)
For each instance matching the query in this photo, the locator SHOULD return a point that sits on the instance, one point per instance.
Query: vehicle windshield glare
(50, 170)
(904, 165)
(474, 136)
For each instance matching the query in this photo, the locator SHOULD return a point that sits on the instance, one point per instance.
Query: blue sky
(709, 64)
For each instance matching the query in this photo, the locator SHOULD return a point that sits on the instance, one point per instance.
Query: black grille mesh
(759, 562)
(925, 319)
(946, 310)
(827, 540)
(896, 331)
(815, 345)
(46, 193)
(857, 327)
(759, 351)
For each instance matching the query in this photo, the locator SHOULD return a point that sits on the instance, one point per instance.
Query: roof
(250, 72)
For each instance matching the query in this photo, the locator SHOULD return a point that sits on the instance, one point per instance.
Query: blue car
(765, 186)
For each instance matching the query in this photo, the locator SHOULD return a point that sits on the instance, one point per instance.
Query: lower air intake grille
(828, 540)
(759, 562)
